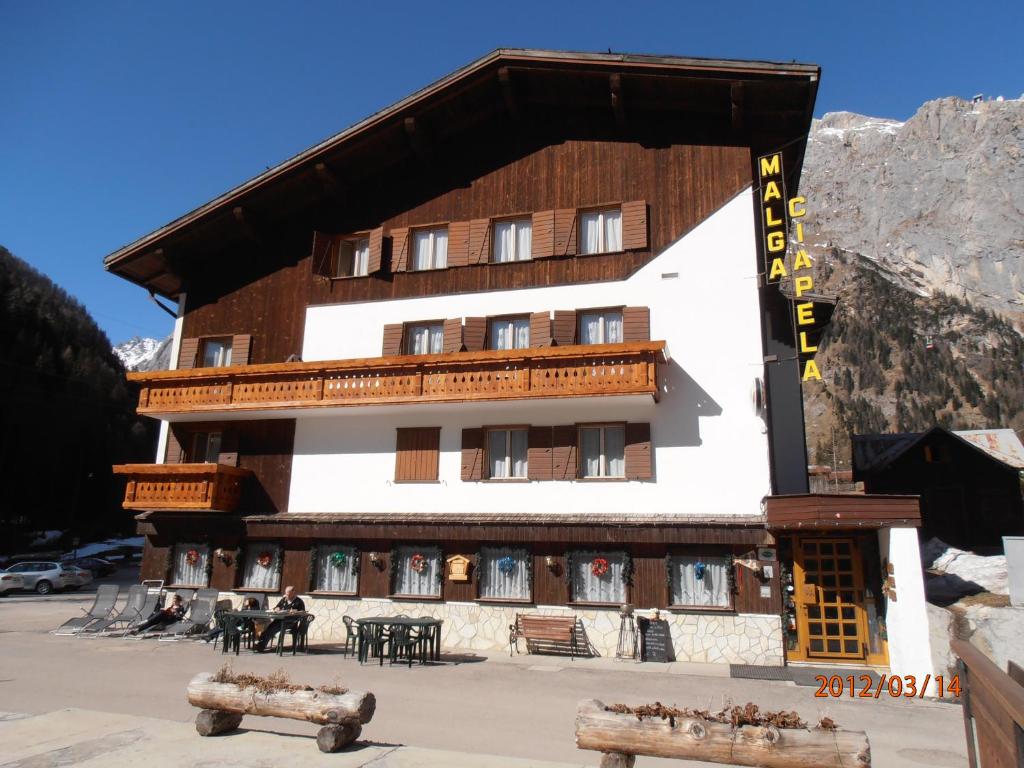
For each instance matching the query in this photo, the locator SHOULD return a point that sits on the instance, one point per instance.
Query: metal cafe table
(371, 628)
(289, 620)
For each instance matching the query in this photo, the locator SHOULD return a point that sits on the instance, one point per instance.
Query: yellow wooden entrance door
(829, 585)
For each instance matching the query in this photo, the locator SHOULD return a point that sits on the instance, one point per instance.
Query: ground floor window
(262, 567)
(699, 581)
(416, 570)
(337, 568)
(598, 577)
(190, 563)
(504, 573)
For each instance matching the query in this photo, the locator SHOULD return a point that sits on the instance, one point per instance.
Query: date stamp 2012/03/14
(893, 686)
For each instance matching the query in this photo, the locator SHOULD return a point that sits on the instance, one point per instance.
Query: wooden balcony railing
(575, 371)
(213, 487)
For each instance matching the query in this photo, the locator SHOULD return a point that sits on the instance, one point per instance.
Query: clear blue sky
(117, 117)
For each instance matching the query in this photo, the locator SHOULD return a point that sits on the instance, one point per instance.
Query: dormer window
(513, 241)
(216, 353)
(430, 248)
(352, 257)
(601, 231)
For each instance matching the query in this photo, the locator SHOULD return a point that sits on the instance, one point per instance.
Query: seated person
(290, 602)
(161, 619)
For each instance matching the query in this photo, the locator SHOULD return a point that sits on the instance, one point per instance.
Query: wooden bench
(544, 632)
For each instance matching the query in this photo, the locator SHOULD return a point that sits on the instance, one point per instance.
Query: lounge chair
(129, 613)
(198, 619)
(102, 607)
(151, 605)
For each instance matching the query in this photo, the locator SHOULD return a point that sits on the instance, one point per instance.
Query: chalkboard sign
(655, 640)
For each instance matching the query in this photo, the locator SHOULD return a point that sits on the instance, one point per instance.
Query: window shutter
(474, 332)
(399, 249)
(538, 454)
(540, 329)
(452, 335)
(636, 324)
(416, 454)
(376, 249)
(564, 327)
(228, 448)
(458, 244)
(392, 340)
(173, 453)
(565, 232)
(241, 349)
(187, 353)
(634, 225)
(543, 244)
(563, 452)
(638, 452)
(472, 454)
(479, 241)
(321, 255)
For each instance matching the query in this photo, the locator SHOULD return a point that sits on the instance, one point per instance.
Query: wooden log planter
(623, 736)
(223, 705)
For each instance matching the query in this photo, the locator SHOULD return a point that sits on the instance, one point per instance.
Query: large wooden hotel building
(492, 351)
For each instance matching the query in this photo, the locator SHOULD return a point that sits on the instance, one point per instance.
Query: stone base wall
(697, 637)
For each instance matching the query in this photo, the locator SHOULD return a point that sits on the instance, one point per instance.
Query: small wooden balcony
(573, 371)
(206, 487)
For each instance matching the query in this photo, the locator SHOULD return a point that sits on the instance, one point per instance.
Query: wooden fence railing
(213, 487)
(575, 371)
(993, 703)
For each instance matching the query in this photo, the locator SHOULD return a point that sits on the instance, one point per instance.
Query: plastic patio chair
(150, 605)
(351, 635)
(130, 612)
(299, 632)
(102, 607)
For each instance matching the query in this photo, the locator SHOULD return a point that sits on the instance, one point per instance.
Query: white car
(46, 576)
(9, 582)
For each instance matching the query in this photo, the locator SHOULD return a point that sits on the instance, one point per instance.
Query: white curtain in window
(712, 589)
(410, 582)
(506, 452)
(496, 452)
(362, 258)
(591, 451)
(510, 333)
(427, 339)
(332, 576)
(259, 577)
(186, 574)
(524, 240)
(504, 242)
(615, 451)
(589, 588)
(612, 327)
(422, 251)
(501, 582)
(590, 328)
(612, 231)
(440, 248)
(590, 233)
(518, 444)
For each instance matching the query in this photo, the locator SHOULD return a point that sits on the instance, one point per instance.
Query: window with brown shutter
(399, 249)
(453, 335)
(173, 452)
(416, 454)
(458, 244)
(565, 232)
(474, 333)
(321, 254)
(187, 353)
(636, 324)
(392, 340)
(638, 451)
(479, 241)
(563, 452)
(375, 262)
(472, 454)
(540, 329)
(564, 327)
(539, 454)
(241, 349)
(543, 234)
(215, 352)
(634, 225)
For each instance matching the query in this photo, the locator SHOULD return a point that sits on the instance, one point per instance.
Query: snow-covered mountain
(144, 354)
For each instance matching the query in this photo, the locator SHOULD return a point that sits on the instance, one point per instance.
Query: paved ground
(121, 702)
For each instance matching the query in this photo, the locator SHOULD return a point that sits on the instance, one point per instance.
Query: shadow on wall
(686, 402)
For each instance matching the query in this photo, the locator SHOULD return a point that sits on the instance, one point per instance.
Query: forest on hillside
(66, 414)
(896, 361)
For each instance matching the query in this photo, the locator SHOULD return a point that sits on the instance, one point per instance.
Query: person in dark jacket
(287, 604)
(162, 619)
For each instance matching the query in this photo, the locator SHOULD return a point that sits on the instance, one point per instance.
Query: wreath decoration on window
(418, 563)
(699, 569)
(338, 559)
(506, 564)
(192, 556)
(265, 559)
(599, 567)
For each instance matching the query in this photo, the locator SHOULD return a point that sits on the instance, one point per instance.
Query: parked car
(9, 582)
(96, 565)
(46, 576)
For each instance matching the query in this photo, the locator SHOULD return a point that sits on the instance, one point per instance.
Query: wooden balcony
(574, 371)
(210, 487)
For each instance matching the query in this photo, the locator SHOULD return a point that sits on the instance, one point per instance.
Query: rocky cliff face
(938, 200)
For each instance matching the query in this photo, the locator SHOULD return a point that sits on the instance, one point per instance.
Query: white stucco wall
(161, 442)
(907, 617)
(710, 449)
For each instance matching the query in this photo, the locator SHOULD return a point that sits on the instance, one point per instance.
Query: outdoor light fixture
(223, 556)
(376, 560)
(549, 561)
